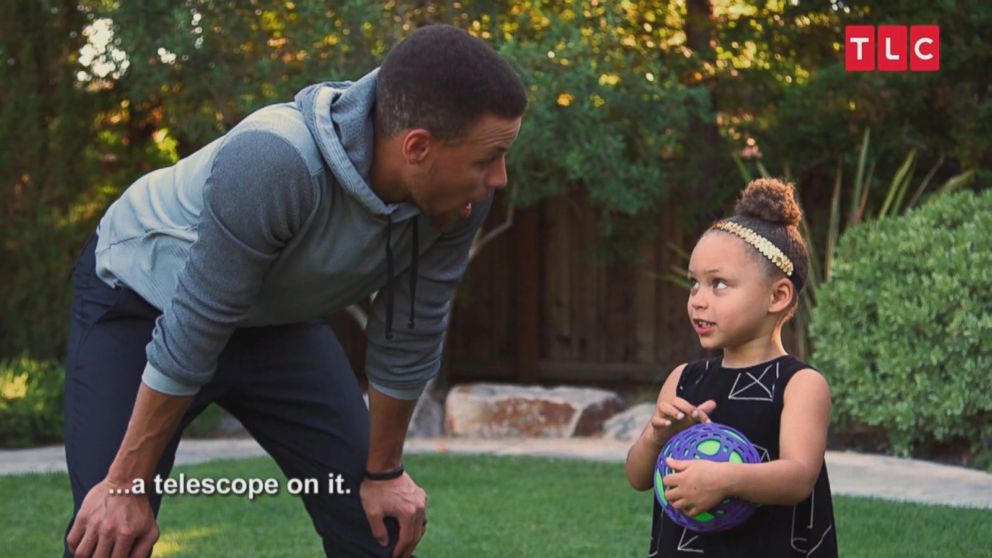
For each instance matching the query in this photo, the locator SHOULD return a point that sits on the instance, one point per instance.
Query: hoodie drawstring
(389, 277)
(414, 254)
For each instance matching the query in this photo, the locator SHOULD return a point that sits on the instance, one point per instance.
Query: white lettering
(888, 49)
(919, 53)
(860, 41)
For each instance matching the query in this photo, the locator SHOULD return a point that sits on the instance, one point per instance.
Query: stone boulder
(627, 426)
(230, 427)
(428, 418)
(503, 410)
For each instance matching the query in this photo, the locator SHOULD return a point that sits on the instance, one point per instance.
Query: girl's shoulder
(702, 365)
(790, 365)
(696, 370)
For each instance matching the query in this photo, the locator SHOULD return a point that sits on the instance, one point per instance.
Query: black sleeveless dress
(750, 400)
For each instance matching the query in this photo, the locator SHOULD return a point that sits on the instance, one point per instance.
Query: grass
(479, 506)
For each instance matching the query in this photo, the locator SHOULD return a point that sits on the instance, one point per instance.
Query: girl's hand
(696, 485)
(672, 417)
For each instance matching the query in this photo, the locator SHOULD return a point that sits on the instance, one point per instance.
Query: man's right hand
(113, 525)
(123, 525)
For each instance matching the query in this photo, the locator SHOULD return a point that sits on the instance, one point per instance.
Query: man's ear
(783, 291)
(417, 146)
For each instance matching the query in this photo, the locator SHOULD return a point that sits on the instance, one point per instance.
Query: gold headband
(760, 243)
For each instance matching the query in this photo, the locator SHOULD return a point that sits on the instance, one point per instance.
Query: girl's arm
(802, 444)
(700, 485)
(671, 415)
(643, 454)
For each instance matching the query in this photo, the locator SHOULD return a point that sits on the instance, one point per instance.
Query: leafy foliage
(901, 328)
(30, 402)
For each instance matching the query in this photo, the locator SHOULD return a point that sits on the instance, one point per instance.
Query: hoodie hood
(339, 116)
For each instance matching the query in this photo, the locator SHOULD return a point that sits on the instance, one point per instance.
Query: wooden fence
(538, 306)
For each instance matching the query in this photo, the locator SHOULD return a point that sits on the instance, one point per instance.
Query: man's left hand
(400, 498)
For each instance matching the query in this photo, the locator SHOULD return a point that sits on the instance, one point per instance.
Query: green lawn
(479, 506)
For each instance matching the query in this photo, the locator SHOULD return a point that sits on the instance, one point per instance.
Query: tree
(44, 133)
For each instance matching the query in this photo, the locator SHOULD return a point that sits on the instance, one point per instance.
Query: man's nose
(497, 177)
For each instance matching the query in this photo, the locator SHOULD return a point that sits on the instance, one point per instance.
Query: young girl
(746, 273)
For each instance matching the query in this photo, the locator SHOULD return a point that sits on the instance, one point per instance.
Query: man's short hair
(442, 79)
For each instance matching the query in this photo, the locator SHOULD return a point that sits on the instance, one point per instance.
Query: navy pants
(291, 386)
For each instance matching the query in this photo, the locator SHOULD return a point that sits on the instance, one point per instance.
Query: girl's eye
(719, 284)
(693, 284)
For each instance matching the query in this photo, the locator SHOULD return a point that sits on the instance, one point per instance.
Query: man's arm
(399, 498)
(389, 420)
(153, 423)
(398, 369)
(255, 201)
(257, 197)
(112, 521)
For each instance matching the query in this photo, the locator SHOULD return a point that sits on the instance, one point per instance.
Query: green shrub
(902, 327)
(30, 402)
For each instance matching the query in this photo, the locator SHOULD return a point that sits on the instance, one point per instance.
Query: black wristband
(385, 475)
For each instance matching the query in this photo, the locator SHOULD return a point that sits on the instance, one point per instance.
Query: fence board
(557, 284)
(646, 287)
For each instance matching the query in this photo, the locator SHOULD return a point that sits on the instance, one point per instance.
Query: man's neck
(385, 176)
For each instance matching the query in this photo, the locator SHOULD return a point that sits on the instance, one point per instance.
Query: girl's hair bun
(771, 200)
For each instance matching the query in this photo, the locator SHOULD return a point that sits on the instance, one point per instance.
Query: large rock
(627, 426)
(230, 427)
(428, 418)
(502, 410)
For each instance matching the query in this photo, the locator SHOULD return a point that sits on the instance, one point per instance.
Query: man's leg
(109, 329)
(297, 395)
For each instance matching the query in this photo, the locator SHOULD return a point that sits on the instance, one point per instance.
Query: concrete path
(850, 473)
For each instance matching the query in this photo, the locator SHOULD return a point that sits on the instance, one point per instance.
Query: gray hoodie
(275, 223)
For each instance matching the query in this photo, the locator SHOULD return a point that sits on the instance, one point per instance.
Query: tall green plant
(858, 211)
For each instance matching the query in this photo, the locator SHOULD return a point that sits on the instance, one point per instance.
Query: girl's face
(730, 294)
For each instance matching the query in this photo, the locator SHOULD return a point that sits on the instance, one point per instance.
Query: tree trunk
(704, 136)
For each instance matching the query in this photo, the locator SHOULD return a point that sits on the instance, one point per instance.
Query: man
(206, 283)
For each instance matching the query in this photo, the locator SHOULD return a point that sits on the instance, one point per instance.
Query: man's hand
(400, 498)
(113, 525)
(696, 485)
(117, 525)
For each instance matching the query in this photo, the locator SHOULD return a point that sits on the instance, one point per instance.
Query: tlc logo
(921, 49)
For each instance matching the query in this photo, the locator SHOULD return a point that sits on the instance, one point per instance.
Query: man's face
(463, 172)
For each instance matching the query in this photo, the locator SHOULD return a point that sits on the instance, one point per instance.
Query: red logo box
(924, 45)
(896, 48)
(859, 48)
(892, 48)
